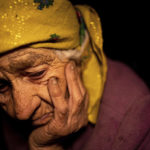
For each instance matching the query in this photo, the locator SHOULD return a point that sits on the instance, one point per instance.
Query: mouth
(43, 119)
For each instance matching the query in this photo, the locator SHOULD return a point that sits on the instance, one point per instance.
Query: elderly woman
(52, 76)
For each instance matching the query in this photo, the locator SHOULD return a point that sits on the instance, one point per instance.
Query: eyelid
(34, 70)
(37, 75)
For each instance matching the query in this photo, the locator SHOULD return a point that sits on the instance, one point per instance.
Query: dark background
(124, 33)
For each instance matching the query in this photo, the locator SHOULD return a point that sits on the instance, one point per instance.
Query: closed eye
(36, 75)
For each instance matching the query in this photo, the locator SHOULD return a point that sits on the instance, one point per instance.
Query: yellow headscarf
(54, 24)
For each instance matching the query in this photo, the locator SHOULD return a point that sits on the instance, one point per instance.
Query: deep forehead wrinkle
(27, 60)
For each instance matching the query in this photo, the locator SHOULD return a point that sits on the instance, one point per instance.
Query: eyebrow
(20, 65)
(32, 60)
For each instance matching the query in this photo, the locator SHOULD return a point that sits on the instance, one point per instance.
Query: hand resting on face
(70, 113)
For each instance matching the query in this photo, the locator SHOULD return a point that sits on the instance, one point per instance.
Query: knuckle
(79, 100)
(84, 94)
(63, 111)
(73, 78)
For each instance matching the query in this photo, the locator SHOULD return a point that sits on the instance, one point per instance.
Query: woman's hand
(70, 114)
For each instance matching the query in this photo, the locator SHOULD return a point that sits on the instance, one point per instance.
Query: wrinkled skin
(35, 84)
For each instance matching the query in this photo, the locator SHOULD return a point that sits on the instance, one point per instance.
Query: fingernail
(54, 81)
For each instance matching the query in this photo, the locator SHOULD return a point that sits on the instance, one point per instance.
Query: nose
(25, 100)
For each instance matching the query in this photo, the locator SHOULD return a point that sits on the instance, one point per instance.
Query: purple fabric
(124, 116)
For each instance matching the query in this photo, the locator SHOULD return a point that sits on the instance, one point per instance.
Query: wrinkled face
(24, 76)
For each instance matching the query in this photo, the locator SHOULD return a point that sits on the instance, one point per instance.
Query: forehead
(25, 58)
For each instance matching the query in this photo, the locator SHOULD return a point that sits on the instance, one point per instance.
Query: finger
(58, 99)
(83, 91)
(80, 82)
(72, 81)
(79, 115)
(86, 102)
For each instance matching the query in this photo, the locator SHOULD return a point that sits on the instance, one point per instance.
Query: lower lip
(43, 120)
